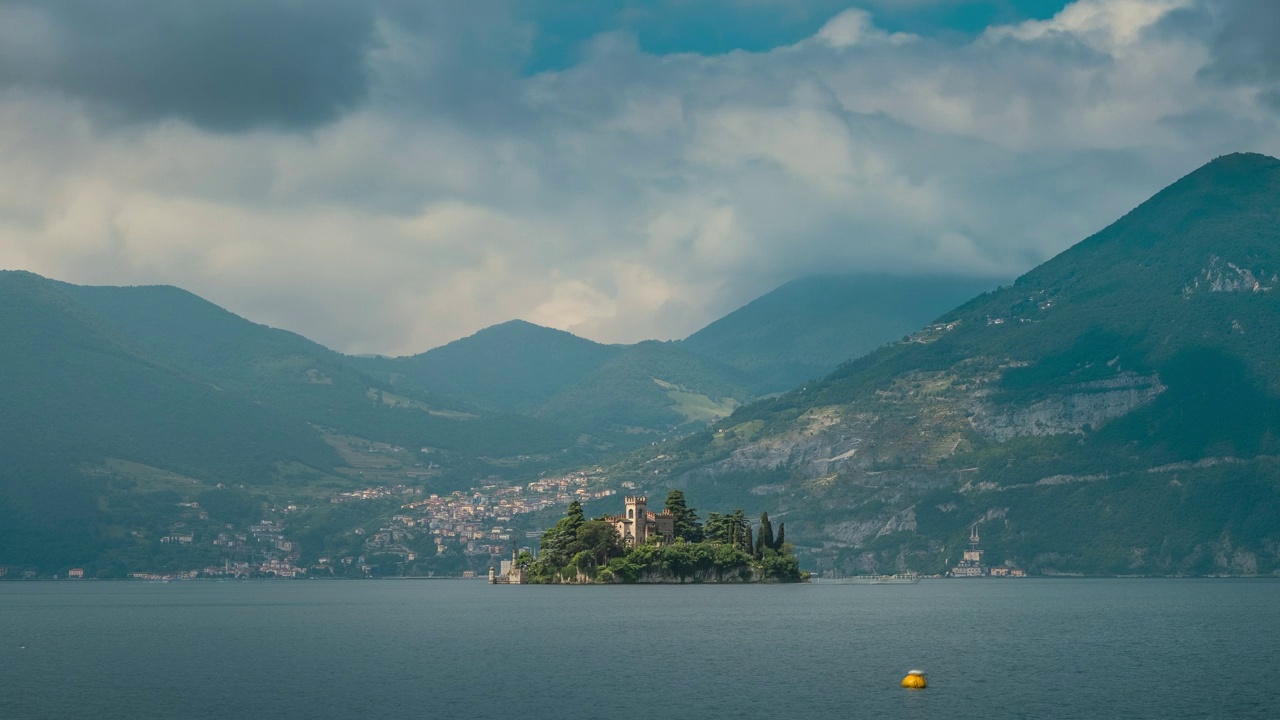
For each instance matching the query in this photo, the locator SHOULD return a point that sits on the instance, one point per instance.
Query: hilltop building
(637, 524)
(971, 564)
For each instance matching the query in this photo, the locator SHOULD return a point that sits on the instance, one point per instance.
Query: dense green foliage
(578, 550)
(687, 525)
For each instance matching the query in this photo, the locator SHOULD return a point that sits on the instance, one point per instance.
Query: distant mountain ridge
(120, 401)
(804, 329)
(621, 393)
(1115, 410)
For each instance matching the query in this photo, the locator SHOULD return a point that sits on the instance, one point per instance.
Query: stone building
(971, 564)
(637, 523)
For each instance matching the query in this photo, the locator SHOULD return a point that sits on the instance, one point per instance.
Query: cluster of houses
(480, 519)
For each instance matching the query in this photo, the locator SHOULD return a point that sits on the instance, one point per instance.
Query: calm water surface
(463, 649)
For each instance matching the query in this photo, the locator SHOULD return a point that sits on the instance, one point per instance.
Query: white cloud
(854, 26)
(631, 195)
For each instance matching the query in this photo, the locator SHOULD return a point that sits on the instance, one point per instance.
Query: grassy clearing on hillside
(146, 477)
(697, 407)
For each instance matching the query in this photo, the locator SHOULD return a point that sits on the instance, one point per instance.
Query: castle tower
(637, 509)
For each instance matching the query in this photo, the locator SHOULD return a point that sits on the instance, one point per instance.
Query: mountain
(613, 394)
(81, 401)
(623, 395)
(807, 327)
(649, 387)
(125, 407)
(512, 367)
(75, 385)
(299, 378)
(1115, 410)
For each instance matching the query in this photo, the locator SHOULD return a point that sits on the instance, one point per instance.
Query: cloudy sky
(388, 175)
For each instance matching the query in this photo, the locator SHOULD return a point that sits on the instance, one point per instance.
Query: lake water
(464, 649)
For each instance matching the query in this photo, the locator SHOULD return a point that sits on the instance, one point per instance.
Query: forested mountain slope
(1117, 409)
(807, 327)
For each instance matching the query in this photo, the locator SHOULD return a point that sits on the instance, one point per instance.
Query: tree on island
(733, 529)
(765, 537)
(687, 525)
(579, 550)
(575, 545)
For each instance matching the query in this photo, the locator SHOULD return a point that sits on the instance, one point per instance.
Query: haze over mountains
(117, 398)
(1115, 410)
(800, 331)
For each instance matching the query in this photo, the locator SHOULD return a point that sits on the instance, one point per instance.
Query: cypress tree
(782, 534)
(766, 535)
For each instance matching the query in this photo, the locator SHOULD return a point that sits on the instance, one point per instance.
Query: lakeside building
(512, 573)
(971, 564)
(637, 524)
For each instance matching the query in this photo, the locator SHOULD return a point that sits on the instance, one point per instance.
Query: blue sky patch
(713, 27)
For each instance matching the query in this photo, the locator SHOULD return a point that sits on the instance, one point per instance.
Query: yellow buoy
(914, 680)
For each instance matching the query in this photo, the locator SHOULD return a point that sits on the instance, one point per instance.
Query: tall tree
(782, 534)
(687, 525)
(557, 542)
(764, 540)
(744, 531)
(716, 529)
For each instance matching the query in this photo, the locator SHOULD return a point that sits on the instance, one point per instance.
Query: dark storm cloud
(224, 65)
(458, 62)
(1245, 46)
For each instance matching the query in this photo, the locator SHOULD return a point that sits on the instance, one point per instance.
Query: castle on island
(635, 526)
(638, 523)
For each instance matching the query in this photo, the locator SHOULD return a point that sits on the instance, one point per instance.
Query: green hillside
(76, 392)
(651, 387)
(807, 327)
(128, 406)
(302, 379)
(625, 394)
(1116, 409)
(613, 394)
(76, 386)
(513, 367)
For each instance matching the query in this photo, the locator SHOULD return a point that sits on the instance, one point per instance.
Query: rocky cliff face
(1075, 408)
(1225, 276)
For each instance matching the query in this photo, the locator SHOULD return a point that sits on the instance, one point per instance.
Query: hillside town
(477, 525)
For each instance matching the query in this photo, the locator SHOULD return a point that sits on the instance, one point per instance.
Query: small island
(670, 546)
